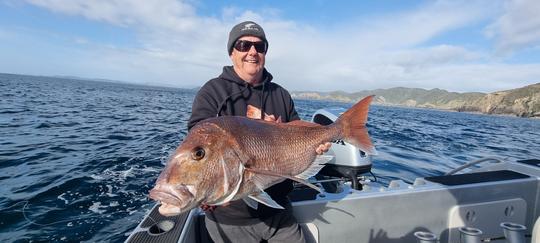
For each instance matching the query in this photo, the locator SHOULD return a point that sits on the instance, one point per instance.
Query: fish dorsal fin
(261, 181)
(264, 198)
(315, 167)
(303, 123)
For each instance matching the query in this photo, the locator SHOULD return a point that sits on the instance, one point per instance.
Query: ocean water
(77, 158)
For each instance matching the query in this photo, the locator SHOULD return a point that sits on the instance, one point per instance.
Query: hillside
(523, 102)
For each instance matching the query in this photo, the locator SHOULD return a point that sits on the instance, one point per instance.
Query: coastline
(429, 108)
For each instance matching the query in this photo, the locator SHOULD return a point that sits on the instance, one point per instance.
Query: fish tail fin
(352, 126)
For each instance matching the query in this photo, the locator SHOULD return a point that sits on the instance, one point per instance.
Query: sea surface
(77, 158)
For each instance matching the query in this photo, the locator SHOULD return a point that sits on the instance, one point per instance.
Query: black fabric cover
(533, 162)
(478, 177)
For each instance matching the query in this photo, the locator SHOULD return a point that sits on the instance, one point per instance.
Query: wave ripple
(83, 155)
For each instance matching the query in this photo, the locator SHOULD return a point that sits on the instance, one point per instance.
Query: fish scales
(229, 158)
(276, 146)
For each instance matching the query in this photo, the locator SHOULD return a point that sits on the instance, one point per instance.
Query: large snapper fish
(230, 157)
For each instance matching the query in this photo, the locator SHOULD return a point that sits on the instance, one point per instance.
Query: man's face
(248, 64)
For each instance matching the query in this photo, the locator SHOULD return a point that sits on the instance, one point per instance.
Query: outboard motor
(348, 160)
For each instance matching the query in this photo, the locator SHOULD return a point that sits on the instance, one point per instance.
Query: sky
(314, 45)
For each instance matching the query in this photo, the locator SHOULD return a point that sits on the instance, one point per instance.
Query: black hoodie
(229, 95)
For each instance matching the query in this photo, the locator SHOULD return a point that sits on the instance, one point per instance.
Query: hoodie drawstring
(263, 100)
(220, 106)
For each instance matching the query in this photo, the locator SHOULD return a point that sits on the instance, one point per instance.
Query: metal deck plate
(147, 231)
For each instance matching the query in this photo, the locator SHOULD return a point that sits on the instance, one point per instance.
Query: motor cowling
(348, 160)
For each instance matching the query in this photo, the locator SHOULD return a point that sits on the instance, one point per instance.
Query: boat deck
(440, 205)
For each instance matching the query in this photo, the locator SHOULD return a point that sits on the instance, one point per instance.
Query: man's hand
(208, 208)
(272, 118)
(323, 148)
(255, 113)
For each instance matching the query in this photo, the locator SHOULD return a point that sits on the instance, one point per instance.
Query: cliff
(523, 102)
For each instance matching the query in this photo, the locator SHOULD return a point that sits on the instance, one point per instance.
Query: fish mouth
(174, 198)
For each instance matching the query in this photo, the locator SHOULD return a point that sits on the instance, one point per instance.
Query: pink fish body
(229, 158)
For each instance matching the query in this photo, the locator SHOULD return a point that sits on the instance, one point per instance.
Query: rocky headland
(522, 102)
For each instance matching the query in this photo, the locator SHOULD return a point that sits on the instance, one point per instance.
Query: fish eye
(197, 153)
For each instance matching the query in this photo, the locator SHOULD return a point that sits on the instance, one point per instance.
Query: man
(246, 89)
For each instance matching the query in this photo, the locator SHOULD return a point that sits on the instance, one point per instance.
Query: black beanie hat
(243, 29)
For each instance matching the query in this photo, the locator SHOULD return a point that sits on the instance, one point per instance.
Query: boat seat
(533, 162)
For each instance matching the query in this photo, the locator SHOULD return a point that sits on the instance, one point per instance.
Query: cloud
(518, 27)
(176, 46)
(168, 14)
(382, 51)
(414, 27)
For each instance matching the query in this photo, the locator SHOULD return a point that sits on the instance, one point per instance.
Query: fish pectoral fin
(299, 180)
(251, 202)
(261, 178)
(260, 181)
(315, 167)
(264, 198)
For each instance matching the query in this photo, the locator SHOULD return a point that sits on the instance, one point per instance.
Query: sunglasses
(244, 46)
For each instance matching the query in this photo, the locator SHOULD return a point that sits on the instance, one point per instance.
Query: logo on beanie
(250, 26)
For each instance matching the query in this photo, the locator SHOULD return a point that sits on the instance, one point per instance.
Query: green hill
(524, 102)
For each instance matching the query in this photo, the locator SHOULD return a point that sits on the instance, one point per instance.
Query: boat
(487, 200)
